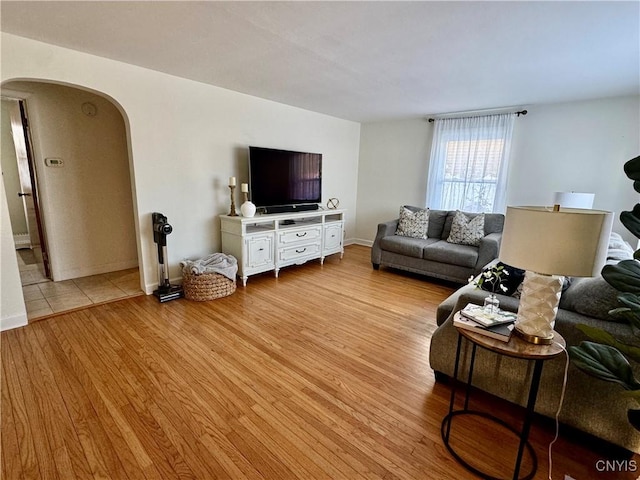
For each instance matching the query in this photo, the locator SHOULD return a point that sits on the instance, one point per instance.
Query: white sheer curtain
(469, 162)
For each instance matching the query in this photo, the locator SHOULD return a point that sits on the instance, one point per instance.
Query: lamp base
(538, 307)
(535, 339)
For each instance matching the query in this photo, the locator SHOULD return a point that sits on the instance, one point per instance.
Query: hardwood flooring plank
(90, 418)
(322, 373)
(38, 426)
(11, 467)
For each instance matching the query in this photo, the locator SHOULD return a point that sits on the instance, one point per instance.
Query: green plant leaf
(597, 334)
(603, 337)
(604, 362)
(632, 168)
(630, 300)
(624, 276)
(633, 394)
(626, 315)
(631, 220)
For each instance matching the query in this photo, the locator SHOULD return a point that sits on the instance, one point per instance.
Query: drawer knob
(301, 234)
(301, 251)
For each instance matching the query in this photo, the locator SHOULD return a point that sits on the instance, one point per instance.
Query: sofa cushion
(493, 223)
(466, 229)
(451, 253)
(413, 222)
(437, 219)
(593, 297)
(409, 246)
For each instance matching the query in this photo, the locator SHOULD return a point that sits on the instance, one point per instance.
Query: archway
(82, 161)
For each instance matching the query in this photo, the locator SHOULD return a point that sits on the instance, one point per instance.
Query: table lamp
(573, 199)
(551, 242)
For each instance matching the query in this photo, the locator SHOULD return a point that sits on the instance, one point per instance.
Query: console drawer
(299, 235)
(293, 254)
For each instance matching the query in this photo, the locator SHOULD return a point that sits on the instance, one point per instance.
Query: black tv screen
(282, 177)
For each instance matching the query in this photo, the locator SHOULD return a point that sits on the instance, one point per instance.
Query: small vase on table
(248, 209)
(491, 303)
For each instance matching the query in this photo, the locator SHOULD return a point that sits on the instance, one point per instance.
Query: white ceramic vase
(248, 209)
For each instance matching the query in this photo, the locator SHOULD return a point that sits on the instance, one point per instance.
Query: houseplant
(491, 279)
(606, 357)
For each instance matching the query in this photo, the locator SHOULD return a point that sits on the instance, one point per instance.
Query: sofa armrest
(384, 229)
(487, 250)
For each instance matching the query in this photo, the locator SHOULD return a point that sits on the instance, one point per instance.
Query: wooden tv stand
(270, 242)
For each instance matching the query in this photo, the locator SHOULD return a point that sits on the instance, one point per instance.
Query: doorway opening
(79, 246)
(19, 175)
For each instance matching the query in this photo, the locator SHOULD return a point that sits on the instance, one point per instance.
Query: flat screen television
(284, 179)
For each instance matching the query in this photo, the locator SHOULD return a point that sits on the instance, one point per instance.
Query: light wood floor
(322, 373)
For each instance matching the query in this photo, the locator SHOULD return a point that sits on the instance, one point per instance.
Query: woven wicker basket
(206, 286)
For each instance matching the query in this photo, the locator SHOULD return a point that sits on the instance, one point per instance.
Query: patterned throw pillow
(413, 223)
(466, 230)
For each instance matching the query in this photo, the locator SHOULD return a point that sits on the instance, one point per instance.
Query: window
(468, 165)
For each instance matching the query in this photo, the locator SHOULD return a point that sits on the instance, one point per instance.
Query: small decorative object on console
(248, 209)
(232, 187)
(333, 203)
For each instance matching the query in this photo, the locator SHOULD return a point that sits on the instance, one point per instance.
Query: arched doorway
(81, 161)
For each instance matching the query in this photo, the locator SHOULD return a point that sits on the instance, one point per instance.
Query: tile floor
(31, 266)
(44, 297)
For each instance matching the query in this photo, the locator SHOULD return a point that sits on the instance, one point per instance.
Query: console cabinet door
(259, 251)
(332, 238)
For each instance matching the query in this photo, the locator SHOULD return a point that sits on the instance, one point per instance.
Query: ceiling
(362, 61)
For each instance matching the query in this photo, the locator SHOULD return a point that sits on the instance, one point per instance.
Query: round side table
(516, 348)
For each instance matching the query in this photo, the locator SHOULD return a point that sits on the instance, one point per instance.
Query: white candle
(244, 187)
(232, 181)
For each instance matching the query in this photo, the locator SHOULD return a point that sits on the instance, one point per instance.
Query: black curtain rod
(521, 112)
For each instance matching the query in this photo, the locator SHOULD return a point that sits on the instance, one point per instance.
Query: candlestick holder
(232, 212)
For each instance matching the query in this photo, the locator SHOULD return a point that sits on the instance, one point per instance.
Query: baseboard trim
(363, 242)
(15, 321)
(94, 270)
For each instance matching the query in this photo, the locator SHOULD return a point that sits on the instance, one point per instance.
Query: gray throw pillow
(413, 223)
(593, 297)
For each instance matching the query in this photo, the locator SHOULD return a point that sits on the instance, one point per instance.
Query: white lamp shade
(573, 199)
(571, 242)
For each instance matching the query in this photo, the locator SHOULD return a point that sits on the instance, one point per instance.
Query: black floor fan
(162, 228)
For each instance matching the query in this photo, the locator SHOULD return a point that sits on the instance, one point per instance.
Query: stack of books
(475, 318)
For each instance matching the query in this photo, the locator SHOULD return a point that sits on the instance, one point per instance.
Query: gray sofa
(434, 256)
(590, 405)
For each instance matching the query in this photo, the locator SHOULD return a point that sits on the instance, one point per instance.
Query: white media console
(270, 242)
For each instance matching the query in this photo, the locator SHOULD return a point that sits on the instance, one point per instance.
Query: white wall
(13, 312)
(393, 167)
(86, 204)
(577, 146)
(187, 138)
